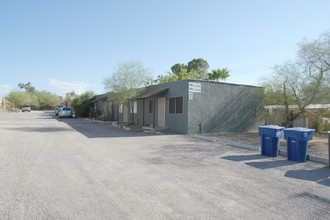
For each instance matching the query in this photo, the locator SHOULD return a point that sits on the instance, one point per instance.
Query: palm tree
(219, 74)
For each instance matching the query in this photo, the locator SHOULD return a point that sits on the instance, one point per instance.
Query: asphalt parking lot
(78, 169)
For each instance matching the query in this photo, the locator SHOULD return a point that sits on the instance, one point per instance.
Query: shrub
(324, 127)
(81, 104)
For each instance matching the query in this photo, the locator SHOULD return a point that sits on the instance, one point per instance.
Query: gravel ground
(316, 147)
(79, 169)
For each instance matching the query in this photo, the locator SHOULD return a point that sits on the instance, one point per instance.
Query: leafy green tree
(72, 93)
(168, 77)
(196, 69)
(69, 96)
(199, 66)
(81, 104)
(217, 74)
(303, 82)
(171, 77)
(48, 100)
(178, 68)
(31, 96)
(127, 81)
(19, 99)
(28, 87)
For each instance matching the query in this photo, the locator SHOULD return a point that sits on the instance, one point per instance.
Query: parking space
(79, 169)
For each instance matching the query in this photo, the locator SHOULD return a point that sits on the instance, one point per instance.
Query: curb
(209, 139)
(281, 152)
(318, 159)
(246, 146)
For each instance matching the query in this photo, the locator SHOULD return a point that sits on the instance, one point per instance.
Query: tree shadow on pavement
(320, 176)
(92, 129)
(270, 164)
(238, 158)
(324, 201)
(41, 129)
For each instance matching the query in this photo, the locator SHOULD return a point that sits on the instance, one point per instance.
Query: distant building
(310, 119)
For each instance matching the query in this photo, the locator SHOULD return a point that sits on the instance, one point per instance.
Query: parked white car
(26, 108)
(65, 112)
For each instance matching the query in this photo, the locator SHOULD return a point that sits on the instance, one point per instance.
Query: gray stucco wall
(174, 122)
(100, 106)
(223, 107)
(218, 107)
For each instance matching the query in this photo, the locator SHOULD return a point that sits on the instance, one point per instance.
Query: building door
(161, 112)
(125, 116)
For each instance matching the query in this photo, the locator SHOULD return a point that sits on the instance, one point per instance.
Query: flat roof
(205, 81)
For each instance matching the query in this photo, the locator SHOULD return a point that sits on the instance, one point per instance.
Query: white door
(161, 112)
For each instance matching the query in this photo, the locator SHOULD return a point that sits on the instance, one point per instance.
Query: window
(179, 105)
(171, 105)
(150, 106)
(176, 105)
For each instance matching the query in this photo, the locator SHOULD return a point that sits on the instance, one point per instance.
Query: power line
(258, 67)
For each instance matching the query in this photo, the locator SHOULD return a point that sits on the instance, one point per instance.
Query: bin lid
(299, 133)
(299, 129)
(272, 130)
(272, 127)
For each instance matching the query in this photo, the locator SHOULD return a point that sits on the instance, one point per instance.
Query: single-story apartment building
(189, 106)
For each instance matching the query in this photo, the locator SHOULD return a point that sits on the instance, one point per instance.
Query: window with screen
(171, 105)
(179, 105)
(176, 105)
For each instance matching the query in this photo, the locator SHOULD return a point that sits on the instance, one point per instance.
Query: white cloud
(4, 90)
(64, 87)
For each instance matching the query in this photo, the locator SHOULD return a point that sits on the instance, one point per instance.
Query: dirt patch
(316, 147)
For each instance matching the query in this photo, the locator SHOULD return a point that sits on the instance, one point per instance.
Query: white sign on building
(195, 87)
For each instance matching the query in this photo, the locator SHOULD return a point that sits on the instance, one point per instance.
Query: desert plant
(324, 127)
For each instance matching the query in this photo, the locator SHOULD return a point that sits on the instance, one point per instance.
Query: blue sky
(66, 45)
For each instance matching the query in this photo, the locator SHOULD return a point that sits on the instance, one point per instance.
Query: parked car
(65, 112)
(26, 108)
(58, 108)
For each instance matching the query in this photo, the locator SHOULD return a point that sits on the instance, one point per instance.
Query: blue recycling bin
(297, 142)
(270, 137)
